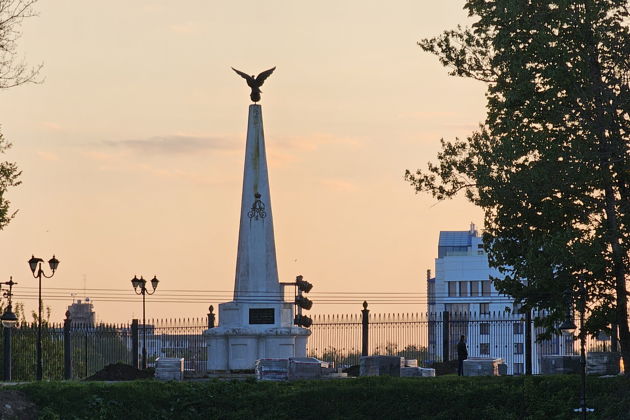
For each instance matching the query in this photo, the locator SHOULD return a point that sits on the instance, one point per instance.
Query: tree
(13, 72)
(550, 166)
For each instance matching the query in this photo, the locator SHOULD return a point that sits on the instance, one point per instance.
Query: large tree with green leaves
(550, 165)
(13, 72)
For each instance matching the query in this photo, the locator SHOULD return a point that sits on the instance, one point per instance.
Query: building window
(484, 328)
(518, 328)
(518, 369)
(474, 288)
(484, 309)
(484, 348)
(452, 288)
(463, 288)
(485, 288)
(518, 348)
(516, 308)
(479, 246)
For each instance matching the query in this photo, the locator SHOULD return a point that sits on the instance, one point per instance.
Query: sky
(132, 149)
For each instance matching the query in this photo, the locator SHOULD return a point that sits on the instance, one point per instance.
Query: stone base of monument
(555, 364)
(411, 363)
(482, 366)
(380, 365)
(169, 369)
(244, 337)
(603, 363)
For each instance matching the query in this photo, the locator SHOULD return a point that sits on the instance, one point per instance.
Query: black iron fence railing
(75, 351)
(433, 337)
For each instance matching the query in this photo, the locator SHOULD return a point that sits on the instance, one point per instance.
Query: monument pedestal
(252, 331)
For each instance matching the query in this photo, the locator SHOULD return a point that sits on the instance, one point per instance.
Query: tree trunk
(603, 127)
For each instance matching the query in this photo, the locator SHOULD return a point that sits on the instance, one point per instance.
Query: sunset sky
(132, 148)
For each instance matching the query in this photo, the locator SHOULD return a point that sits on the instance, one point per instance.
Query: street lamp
(568, 327)
(38, 273)
(139, 286)
(9, 320)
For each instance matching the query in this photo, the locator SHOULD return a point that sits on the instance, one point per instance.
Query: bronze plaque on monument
(261, 316)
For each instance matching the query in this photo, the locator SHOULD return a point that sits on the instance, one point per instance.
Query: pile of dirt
(120, 372)
(15, 405)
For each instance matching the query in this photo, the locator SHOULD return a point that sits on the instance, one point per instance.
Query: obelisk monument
(258, 322)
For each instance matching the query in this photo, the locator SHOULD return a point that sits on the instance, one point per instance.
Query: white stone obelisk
(256, 267)
(258, 323)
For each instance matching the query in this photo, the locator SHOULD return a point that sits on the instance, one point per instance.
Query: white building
(463, 290)
(82, 313)
(462, 276)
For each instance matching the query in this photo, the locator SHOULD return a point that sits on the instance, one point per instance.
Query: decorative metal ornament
(258, 209)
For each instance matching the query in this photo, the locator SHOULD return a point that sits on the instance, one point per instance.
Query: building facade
(463, 301)
(82, 313)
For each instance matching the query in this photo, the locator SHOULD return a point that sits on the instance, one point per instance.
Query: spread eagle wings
(259, 80)
(262, 76)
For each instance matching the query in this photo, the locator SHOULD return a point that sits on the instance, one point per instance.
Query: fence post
(85, 349)
(445, 335)
(67, 347)
(134, 343)
(7, 353)
(365, 331)
(528, 342)
(211, 317)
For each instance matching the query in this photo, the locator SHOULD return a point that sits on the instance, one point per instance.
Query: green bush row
(546, 397)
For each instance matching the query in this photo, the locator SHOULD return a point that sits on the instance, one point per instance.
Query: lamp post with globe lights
(9, 320)
(36, 268)
(140, 287)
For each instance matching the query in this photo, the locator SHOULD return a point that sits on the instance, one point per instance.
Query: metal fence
(93, 348)
(342, 339)
(433, 337)
(182, 338)
(82, 350)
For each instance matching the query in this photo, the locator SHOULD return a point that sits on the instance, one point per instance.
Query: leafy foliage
(550, 166)
(13, 72)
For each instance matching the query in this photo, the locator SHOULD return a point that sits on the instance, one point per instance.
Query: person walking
(462, 354)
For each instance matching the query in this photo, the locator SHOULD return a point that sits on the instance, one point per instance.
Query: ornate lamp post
(139, 286)
(568, 327)
(36, 268)
(9, 320)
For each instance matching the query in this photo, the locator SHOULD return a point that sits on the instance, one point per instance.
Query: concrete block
(304, 368)
(411, 363)
(410, 372)
(428, 372)
(482, 366)
(272, 369)
(602, 363)
(555, 364)
(169, 368)
(379, 365)
(335, 375)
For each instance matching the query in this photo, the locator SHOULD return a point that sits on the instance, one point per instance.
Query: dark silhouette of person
(462, 354)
